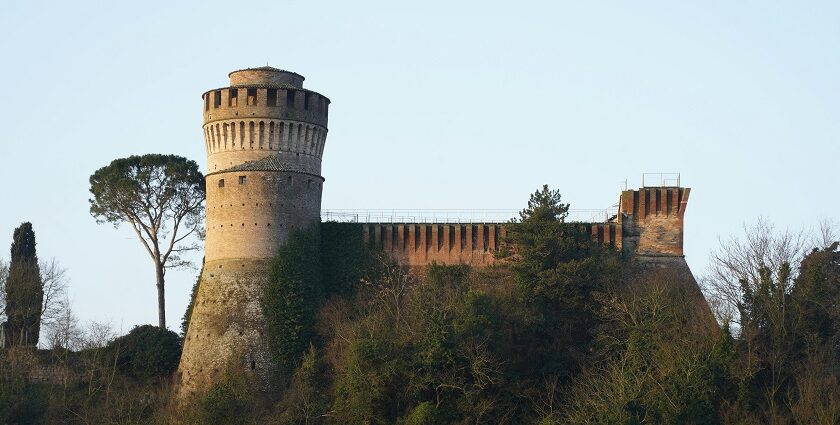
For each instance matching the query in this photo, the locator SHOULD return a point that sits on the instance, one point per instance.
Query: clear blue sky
(436, 104)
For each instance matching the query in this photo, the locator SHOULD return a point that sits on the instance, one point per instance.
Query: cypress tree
(24, 290)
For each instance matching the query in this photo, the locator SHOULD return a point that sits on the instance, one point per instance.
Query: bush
(424, 413)
(346, 258)
(227, 402)
(22, 403)
(147, 352)
(21, 400)
(291, 298)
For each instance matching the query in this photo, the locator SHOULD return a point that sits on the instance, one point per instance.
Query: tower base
(226, 331)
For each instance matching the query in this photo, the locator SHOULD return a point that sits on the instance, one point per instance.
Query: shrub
(291, 298)
(227, 402)
(147, 352)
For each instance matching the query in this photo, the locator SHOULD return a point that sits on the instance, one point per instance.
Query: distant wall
(476, 244)
(421, 244)
(649, 224)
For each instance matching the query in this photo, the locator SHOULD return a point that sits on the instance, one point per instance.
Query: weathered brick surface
(418, 244)
(652, 220)
(226, 327)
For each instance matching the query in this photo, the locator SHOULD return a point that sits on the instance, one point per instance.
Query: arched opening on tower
(251, 134)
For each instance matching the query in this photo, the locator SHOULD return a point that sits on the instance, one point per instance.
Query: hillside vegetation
(564, 330)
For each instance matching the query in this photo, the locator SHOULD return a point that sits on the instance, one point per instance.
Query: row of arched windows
(279, 135)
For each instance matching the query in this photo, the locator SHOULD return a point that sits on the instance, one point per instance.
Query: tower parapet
(652, 221)
(264, 110)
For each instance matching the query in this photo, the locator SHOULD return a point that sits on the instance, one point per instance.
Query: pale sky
(435, 104)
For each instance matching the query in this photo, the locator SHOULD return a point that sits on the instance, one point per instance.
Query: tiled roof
(272, 163)
(266, 68)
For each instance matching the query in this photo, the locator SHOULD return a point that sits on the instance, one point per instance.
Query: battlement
(475, 244)
(648, 226)
(265, 100)
(652, 220)
(266, 111)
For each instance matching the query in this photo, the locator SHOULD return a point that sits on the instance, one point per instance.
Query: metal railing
(454, 216)
(660, 179)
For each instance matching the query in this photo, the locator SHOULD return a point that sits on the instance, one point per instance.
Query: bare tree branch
(53, 279)
(739, 261)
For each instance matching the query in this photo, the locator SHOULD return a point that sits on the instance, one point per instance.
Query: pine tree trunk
(161, 298)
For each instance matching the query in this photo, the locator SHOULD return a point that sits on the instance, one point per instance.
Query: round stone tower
(264, 136)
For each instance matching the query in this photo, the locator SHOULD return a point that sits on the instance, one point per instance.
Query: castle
(265, 136)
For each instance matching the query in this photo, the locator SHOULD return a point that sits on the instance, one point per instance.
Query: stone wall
(227, 330)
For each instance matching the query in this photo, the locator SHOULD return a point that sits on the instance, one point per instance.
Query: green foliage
(81, 387)
(185, 321)
(23, 403)
(229, 401)
(424, 413)
(306, 399)
(560, 272)
(345, 256)
(662, 361)
(164, 184)
(369, 390)
(147, 352)
(21, 400)
(441, 360)
(554, 260)
(291, 298)
(549, 337)
(160, 197)
(816, 298)
(24, 290)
